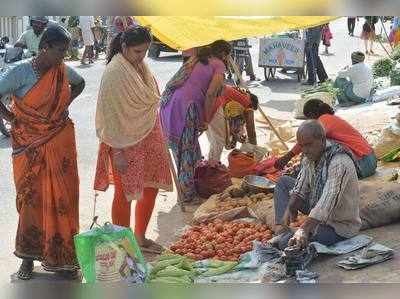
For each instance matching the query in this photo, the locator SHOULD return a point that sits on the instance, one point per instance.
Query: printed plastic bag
(110, 254)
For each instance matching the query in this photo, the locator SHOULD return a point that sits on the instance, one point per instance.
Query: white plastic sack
(325, 97)
(386, 94)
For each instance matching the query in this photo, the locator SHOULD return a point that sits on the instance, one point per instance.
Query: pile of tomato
(224, 241)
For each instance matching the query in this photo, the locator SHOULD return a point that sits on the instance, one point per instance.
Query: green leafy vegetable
(382, 67)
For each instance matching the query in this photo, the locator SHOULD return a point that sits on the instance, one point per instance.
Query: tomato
(218, 221)
(223, 258)
(191, 255)
(203, 252)
(210, 237)
(208, 246)
(228, 232)
(220, 252)
(219, 228)
(220, 240)
(173, 247)
(249, 239)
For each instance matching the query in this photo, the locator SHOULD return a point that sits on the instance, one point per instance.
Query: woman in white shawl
(131, 140)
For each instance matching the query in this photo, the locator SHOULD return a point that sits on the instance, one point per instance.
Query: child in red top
(339, 131)
(230, 93)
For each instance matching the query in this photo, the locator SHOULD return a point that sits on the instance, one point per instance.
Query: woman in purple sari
(187, 106)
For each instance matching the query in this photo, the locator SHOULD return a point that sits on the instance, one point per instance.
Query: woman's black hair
(314, 108)
(216, 49)
(132, 36)
(54, 35)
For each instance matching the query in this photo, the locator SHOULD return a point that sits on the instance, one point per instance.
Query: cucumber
(165, 263)
(172, 271)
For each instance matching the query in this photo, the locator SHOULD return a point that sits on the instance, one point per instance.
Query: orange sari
(46, 173)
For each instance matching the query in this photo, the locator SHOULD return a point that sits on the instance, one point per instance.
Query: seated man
(355, 82)
(326, 190)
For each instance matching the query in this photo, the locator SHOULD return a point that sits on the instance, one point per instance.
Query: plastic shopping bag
(110, 254)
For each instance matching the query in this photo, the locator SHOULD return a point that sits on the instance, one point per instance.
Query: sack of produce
(382, 67)
(264, 211)
(210, 210)
(389, 139)
(233, 203)
(380, 203)
(110, 254)
(209, 180)
(241, 164)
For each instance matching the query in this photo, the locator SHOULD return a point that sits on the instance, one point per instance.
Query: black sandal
(25, 271)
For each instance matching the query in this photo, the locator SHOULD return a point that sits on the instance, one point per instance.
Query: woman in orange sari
(44, 155)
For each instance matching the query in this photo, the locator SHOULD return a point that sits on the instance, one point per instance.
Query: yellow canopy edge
(185, 32)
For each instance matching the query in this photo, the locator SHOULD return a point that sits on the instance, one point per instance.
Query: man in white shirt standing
(355, 82)
(87, 24)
